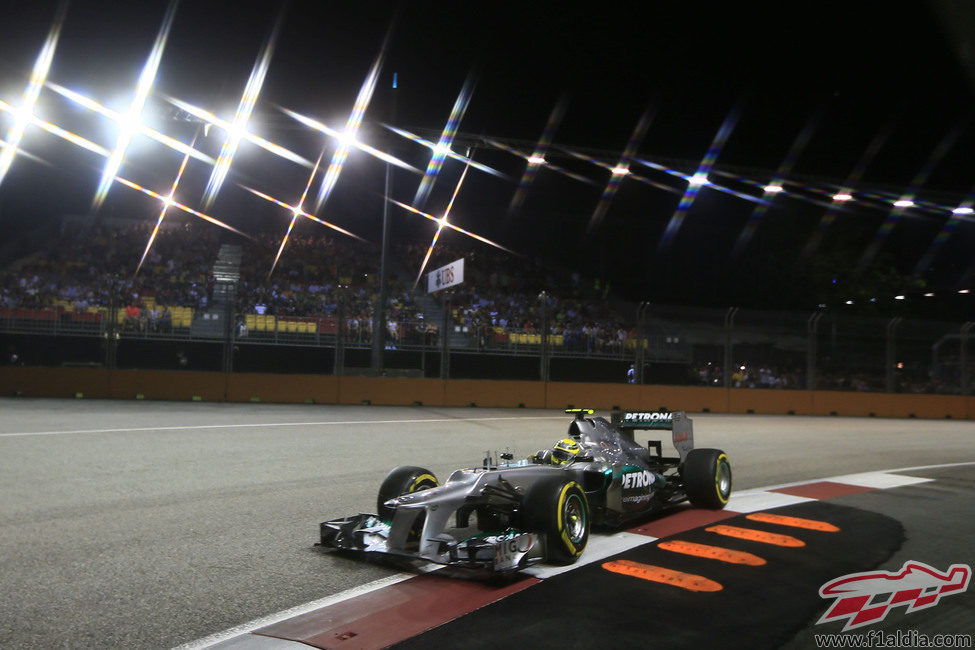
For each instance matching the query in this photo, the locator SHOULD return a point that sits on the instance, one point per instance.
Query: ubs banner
(446, 276)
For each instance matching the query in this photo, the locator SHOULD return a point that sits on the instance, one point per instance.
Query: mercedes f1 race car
(540, 508)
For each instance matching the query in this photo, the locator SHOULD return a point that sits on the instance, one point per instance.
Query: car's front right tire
(402, 480)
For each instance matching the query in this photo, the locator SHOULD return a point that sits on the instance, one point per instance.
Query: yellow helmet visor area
(565, 450)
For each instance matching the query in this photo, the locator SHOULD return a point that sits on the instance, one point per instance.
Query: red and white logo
(865, 598)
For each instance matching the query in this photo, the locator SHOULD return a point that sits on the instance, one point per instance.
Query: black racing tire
(403, 480)
(558, 507)
(707, 478)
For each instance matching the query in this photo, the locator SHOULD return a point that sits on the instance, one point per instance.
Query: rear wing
(676, 421)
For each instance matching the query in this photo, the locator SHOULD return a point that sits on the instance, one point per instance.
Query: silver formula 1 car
(540, 508)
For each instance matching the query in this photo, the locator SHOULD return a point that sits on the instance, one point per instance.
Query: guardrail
(724, 348)
(327, 389)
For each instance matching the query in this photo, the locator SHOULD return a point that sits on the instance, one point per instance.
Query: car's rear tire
(707, 478)
(558, 507)
(402, 480)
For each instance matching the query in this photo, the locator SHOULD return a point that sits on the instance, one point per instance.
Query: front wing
(510, 550)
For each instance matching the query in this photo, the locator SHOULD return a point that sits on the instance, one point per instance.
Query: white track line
(837, 479)
(219, 637)
(598, 548)
(273, 424)
(298, 610)
(880, 480)
(754, 500)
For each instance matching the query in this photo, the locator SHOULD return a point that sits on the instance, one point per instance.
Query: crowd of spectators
(316, 275)
(86, 262)
(502, 295)
(747, 376)
(323, 276)
(320, 275)
(859, 380)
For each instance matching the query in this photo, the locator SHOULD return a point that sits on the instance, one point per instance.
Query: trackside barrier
(327, 389)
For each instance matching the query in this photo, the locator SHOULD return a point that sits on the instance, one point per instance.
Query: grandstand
(323, 296)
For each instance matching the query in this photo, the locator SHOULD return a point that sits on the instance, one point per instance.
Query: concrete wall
(326, 389)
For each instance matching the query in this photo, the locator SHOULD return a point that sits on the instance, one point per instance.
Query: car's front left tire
(558, 507)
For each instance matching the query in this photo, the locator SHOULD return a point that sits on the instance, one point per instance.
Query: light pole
(545, 352)
(729, 328)
(641, 341)
(379, 322)
(111, 327)
(445, 338)
(339, 368)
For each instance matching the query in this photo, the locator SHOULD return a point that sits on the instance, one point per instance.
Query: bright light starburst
(211, 119)
(906, 201)
(620, 171)
(444, 144)
(238, 129)
(296, 211)
(24, 114)
(168, 202)
(143, 129)
(130, 124)
(845, 194)
(537, 158)
(441, 150)
(717, 144)
(441, 222)
(438, 220)
(547, 163)
(340, 137)
(58, 131)
(347, 138)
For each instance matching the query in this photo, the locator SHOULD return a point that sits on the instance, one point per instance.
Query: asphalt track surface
(152, 524)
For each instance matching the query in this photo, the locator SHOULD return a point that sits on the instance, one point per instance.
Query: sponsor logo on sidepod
(637, 480)
(866, 598)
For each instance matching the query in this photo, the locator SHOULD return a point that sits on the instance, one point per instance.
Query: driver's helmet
(565, 451)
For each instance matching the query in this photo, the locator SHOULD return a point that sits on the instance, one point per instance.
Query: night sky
(851, 70)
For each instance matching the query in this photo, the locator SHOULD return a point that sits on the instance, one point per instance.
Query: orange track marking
(756, 535)
(712, 552)
(687, 581)
(795, 522)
